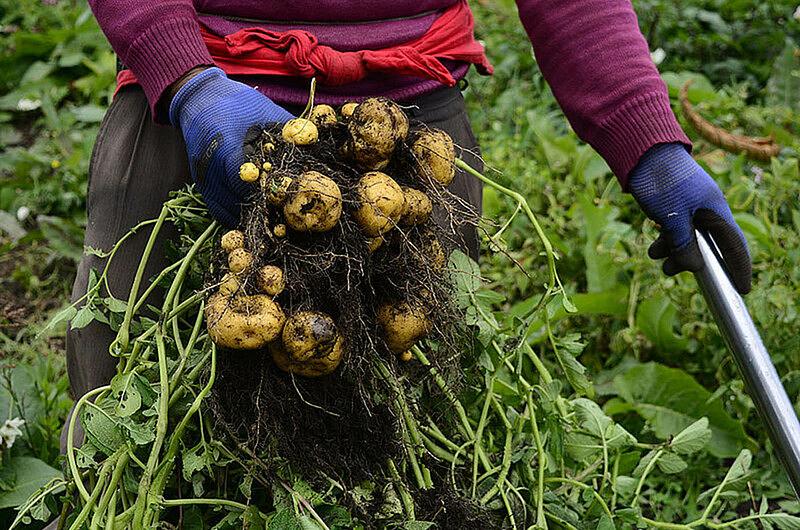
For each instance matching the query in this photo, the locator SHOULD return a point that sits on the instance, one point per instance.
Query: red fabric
(296, 53)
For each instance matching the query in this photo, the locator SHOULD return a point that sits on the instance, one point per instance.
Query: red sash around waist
(297, 53)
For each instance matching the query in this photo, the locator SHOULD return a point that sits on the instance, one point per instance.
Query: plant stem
(73, 465)
(548, 247)
(540, 464)
(123, 335)
(405, 497)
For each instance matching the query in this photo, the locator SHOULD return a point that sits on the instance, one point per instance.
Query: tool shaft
(744, 342)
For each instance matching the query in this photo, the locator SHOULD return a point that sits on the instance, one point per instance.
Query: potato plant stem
(123, 335)
(548, 247)
(405, 497)
(73, 465)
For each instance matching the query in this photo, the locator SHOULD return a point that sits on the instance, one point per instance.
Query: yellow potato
(278, 189)
(381, 203)
(322, 115)
(313, 367)
(230, 284)
(310, 334)
(239, 260)
(279, 230)
(248, 172)
(376, 127)
(270, 280)
(300, 131)
(243, 322)
(232, 240)
(403, 324)
(347, 109)
(418, 207)
(314, 203)
(436, 155)
(406, 356)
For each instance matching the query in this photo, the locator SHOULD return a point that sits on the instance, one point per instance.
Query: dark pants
(137, 163)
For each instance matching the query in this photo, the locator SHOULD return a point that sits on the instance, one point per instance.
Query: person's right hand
(214, 114)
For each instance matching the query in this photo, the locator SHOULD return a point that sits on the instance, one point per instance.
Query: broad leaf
(657, 319)
(671, 400)
(30, 475)
(692, 439)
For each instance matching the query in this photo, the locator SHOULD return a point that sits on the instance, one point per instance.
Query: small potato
(347, 109)
(376, 127)
(403, 325)
(406, 356)
(270, 280)
(436, 155)
(232, 240)
(248, 172)
(278, 189)
(230, 284)
(418, 207)
(381, 203)
(314, 203)
(300, 131)
(322, 115)
(239, 260)
(243, 322)
(279, 230)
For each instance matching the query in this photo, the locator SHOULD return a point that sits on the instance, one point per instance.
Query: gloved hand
(675, 192)
(215, 114)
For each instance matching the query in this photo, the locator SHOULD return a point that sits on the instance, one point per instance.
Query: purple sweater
(591, 52)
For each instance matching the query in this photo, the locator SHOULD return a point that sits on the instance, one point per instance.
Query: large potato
(436, 155)
(243, 322)
(381, 203)
(313, 204)
(376, 126)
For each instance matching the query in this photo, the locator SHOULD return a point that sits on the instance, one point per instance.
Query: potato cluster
(358, 188)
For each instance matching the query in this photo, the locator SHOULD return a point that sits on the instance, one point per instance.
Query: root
(758, 148)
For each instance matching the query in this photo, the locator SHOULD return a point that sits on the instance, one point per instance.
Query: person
(196, 75)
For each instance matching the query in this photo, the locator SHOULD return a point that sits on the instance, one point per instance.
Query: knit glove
(215, 114)
(675, 192)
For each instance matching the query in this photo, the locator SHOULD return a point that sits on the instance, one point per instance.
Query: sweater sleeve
(159, 40)
(598, 65)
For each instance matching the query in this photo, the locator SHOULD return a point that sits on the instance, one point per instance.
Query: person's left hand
(675, 192)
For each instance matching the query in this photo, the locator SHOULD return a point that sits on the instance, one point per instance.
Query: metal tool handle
(760, 377)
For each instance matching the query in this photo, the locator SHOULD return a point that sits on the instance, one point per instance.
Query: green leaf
(102, 429)
(567, 348)
(784, 84)
(605, 523)
(670, 463)
(417, 525)
(124, 391)
(692, 439)
(599, 262)
(656, 317)
(671, 400)
(31, 474)
(83, 317)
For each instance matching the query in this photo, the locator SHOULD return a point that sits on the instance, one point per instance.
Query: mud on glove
(675, 192)
(215, 114)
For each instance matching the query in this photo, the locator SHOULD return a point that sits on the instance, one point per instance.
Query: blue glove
(215, 115)
(675, 192)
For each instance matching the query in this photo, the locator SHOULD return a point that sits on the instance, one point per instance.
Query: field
(661, 433)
